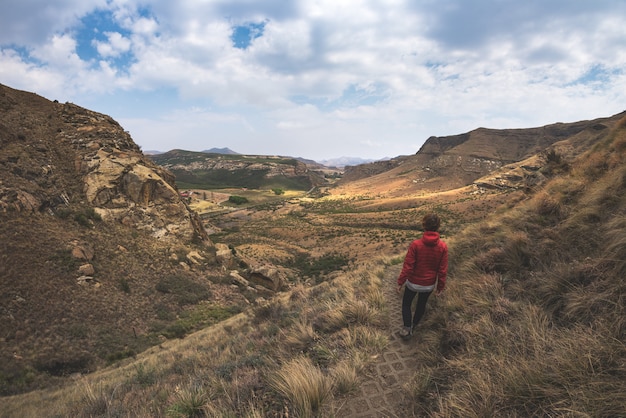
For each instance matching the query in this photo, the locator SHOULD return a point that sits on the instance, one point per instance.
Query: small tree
(278, 191)
(237, 200)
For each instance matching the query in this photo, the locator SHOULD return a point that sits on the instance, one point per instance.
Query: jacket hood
(430, 238)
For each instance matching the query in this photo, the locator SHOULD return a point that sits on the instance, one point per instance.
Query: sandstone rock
(86, 270)
(195, 258)
(237, 279)
(18, 201)
(83, 251)
(128, 188)
(224, 255)
(268, 276)
(85, 280)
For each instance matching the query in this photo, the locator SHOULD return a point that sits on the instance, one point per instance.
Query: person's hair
(431, 222)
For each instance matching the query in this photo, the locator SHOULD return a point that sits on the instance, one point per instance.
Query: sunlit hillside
(535, 322)
(532, 322)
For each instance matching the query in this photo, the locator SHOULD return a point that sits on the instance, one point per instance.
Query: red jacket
(426, 259)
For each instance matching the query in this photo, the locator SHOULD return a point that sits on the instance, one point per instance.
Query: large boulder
(128, 188)
(269, 276)
(224, 256)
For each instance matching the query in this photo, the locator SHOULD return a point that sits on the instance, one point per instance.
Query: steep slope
(98, 254)
(445, 163)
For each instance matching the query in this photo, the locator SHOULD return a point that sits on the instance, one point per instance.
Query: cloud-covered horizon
(321, 79)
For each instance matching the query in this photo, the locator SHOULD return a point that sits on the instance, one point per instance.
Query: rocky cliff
(99, 256)
(488, 157)
(54, 155)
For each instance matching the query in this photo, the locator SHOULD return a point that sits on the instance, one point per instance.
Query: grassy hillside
(535, 322)
(200, 170)
(532, 322)
(286, 356)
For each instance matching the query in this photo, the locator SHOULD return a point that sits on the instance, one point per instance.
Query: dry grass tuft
(303, 384)
(361, 312)
(191, 401)
(365, 339)
(547, 206)
(345, 377)
(300, 336)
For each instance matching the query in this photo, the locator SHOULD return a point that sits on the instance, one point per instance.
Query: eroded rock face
(127, 188)
(61, 157)
(269, 276)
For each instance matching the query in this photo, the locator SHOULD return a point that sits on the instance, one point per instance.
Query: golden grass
(229, 369)
(345, 377)
(532, 323)
(534, 314)
(299, 336)
(303, 384)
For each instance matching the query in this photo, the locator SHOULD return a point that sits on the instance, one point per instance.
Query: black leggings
(407, 300)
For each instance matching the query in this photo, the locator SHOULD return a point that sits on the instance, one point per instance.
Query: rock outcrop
(109, 172)
(87, 226)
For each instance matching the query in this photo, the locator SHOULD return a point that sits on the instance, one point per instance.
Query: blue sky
(319, 79)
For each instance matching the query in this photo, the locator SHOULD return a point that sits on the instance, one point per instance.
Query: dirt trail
(381, 393)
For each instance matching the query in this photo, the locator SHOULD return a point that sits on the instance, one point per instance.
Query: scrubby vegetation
(199, 170)
(288, 356)
(534, 321)
(237, 200)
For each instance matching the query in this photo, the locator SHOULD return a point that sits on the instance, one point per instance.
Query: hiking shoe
(405, 332)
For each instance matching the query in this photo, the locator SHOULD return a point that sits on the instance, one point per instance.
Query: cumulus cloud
(116, 44)
(363, 77)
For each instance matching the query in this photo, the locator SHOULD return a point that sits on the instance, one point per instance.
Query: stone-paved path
(381, 392)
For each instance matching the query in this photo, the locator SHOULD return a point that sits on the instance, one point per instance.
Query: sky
(319, 79)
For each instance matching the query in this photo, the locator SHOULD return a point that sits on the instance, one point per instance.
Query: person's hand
(399, 288)
(438, 292)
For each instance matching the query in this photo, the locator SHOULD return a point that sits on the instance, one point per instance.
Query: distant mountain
(203, 170)
(496, 158)
(221, 151)
(345, 161)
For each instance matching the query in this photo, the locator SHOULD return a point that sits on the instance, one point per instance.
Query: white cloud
(31, 22)
(117, 44)
(324, 77)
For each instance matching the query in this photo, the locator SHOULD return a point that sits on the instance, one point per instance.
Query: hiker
(424, 270)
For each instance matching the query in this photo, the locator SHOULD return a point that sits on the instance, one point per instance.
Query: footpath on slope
(381, 393)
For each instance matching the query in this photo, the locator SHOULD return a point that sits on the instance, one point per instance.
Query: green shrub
(85, 217)
(82, 219)
(63, 213)
(186, 291)
(123, 285)
(176, 330)
(237, 200)
(65, 260)
(316, 267)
